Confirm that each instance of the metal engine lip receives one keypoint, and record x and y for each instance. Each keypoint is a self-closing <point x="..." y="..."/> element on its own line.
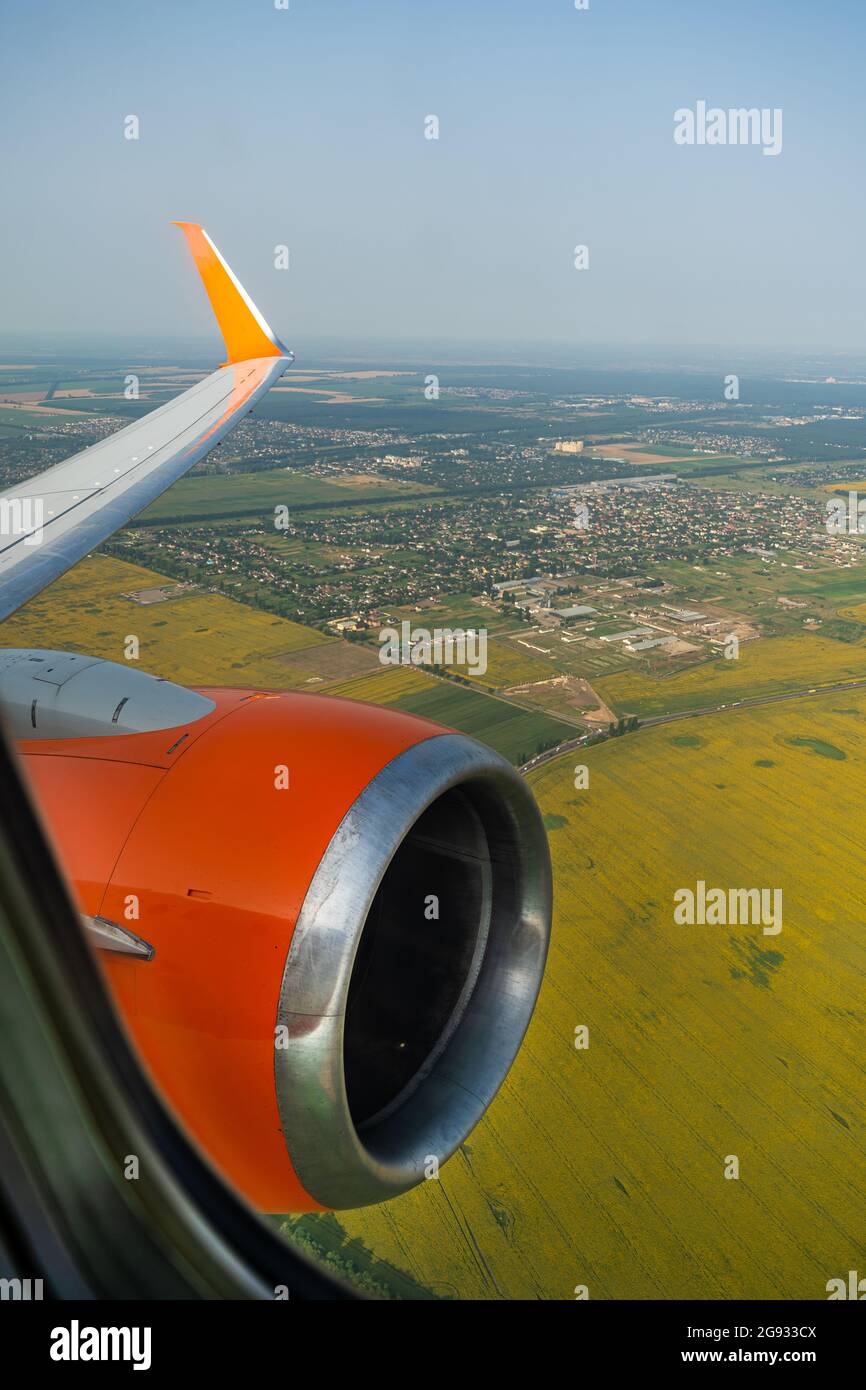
<point x="338" y="1166"/>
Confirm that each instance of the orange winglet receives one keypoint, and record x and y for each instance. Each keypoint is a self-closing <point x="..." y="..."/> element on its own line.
<point x="245" y="331"/>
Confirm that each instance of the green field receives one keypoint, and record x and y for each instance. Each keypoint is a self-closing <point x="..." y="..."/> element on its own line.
<point x="508" y="664"/>
<point x="19" y="418"/>
<point x="668" y="458"/>
<point x="605" y="1167"/>
<point x="749" y="586"/>
<point x="513" y="732"/>
<point x="205" y="497"/>
<point x="456" y="610"/>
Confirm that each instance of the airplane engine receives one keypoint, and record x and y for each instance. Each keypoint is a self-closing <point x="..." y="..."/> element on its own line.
<point x="325" y="923"/>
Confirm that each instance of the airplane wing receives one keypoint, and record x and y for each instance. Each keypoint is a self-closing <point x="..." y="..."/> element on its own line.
<point x="53" y="520"/>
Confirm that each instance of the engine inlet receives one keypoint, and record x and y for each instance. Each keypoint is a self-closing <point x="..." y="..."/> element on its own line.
<point x="413" y="971"/>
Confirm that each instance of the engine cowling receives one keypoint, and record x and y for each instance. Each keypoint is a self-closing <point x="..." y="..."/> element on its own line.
<point x="349" y="911"/>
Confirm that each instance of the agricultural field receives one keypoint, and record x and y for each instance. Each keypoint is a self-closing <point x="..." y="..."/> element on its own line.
<point x="456" y="611"/>
<point x="515" y="733"/>
<point x="857" y="614"/>
<point x="753" y="588"/>
<point x="850" y="484"/>
<point x="19" y="417"/>
<point x="207" y="497"/>
<point x="605" y="1166"/>
<point x="206" y="639"/>
<point x="757" y="478"/>
<point x="669" y="459"/>
<point x="767" y="666"/>
<point x="321" y="665"/>
<point x="567" y="697"/>
<point x="568" y="651"/>
<point x="508" y="665"/>
<point x="193" y="638"/>
<point x="387" y="686"/>
<point x="578" y="659"/>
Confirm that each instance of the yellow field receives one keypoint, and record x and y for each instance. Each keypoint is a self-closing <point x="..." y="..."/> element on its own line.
<point x="767" y="666"/>
<point x="201" y="638"/>
<point x="383" y="688"/>
<point x="857" y="613"/>
<point x="605" y="1167"/>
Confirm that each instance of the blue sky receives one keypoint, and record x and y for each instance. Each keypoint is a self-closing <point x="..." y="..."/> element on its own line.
<point x="306" y="128"/>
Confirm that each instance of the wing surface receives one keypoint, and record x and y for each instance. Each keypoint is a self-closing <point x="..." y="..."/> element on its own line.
<point x="52" y="521"/>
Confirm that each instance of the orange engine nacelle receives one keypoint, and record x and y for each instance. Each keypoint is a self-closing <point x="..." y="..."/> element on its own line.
<point x="349" y="909"/>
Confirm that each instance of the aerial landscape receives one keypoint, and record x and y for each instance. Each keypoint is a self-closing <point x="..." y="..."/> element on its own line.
<point x="433" y="670"/>
<point x="675" y="657"/>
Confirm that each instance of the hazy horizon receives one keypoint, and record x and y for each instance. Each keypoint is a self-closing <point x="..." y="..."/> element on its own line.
<point x="204" y="352"/>
<point x="305" y="128"/>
